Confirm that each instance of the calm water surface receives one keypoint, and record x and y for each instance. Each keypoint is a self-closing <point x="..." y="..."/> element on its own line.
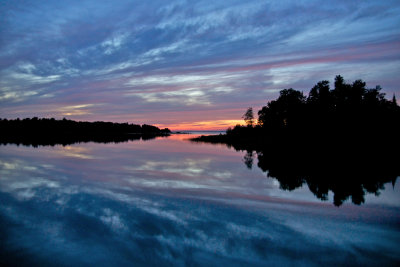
<point x="168" y="201"/>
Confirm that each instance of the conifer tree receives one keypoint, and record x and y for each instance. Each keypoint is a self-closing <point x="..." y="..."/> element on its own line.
<point x="249" y="117"/>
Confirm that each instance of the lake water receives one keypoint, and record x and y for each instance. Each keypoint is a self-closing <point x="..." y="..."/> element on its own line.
<point x="168" y="201"/>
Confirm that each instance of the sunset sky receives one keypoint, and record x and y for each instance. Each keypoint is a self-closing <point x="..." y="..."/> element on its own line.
<point x="186" y="64"/>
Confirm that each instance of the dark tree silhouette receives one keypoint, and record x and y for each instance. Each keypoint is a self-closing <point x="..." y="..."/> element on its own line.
<point x="248" y="117"/>
<point x="338" y="140"/>
<point x="283" y="112"/>
<point x="45" y="131"/>
<point x="320" y="94"/>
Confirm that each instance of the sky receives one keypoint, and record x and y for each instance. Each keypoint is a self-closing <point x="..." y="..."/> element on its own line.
<point x="186" y="65"/>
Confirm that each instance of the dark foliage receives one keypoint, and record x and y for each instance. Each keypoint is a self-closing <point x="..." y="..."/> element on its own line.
<point x="43" y="131"/>
<point x="249" y="117"/>
<point x="339" y="140"/>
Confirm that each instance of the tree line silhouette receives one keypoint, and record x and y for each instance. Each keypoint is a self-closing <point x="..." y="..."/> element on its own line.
<point x="342" y="140"/>
<point x="49" y="131"/>
<point x="349" y="111"/>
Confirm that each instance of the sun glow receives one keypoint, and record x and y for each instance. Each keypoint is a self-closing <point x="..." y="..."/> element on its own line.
<point x="215" y="125"/>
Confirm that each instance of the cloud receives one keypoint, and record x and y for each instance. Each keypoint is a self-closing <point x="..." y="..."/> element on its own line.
<point x="175" y="56"/>
<point x="75" y="109"/>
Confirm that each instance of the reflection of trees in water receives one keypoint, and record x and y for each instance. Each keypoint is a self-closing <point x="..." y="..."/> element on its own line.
<point x="248" y="159"/>
<point x="50" y="132"/>
<point x="46" y="140"/>
<point x="349" y="174"/>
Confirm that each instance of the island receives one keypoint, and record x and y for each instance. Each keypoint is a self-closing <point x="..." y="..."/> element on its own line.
<point x="343" y="140"/>
<point x="49" y="131"/>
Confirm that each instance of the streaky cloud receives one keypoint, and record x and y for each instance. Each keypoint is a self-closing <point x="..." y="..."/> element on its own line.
<point x="127" y="57"/>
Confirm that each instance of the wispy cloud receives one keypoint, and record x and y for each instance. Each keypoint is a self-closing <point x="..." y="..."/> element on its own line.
<point x="136" y="57"/>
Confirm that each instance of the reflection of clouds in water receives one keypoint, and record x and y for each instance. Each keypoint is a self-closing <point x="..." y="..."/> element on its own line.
<point x="7" y="167"/>
<point x="21" y="179"/>
<point x="113" y="220"/>
<point x="76" y="152"/>
<point x="158" y="229"/>
<point x="187" y="173"/>
<point x="182" y="173"/>
<point x="30" y="183"/>
<point x="189" y="167"/>
<point x="176" y="209"/>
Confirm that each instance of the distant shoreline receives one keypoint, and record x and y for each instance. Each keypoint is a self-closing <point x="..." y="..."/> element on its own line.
<point x="43" y="131"/>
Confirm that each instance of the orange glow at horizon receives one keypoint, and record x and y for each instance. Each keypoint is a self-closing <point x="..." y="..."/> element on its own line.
<point x="215" y="125"/>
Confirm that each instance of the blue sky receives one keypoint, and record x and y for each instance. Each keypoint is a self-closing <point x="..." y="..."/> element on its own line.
<point x="186" y="64"/>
